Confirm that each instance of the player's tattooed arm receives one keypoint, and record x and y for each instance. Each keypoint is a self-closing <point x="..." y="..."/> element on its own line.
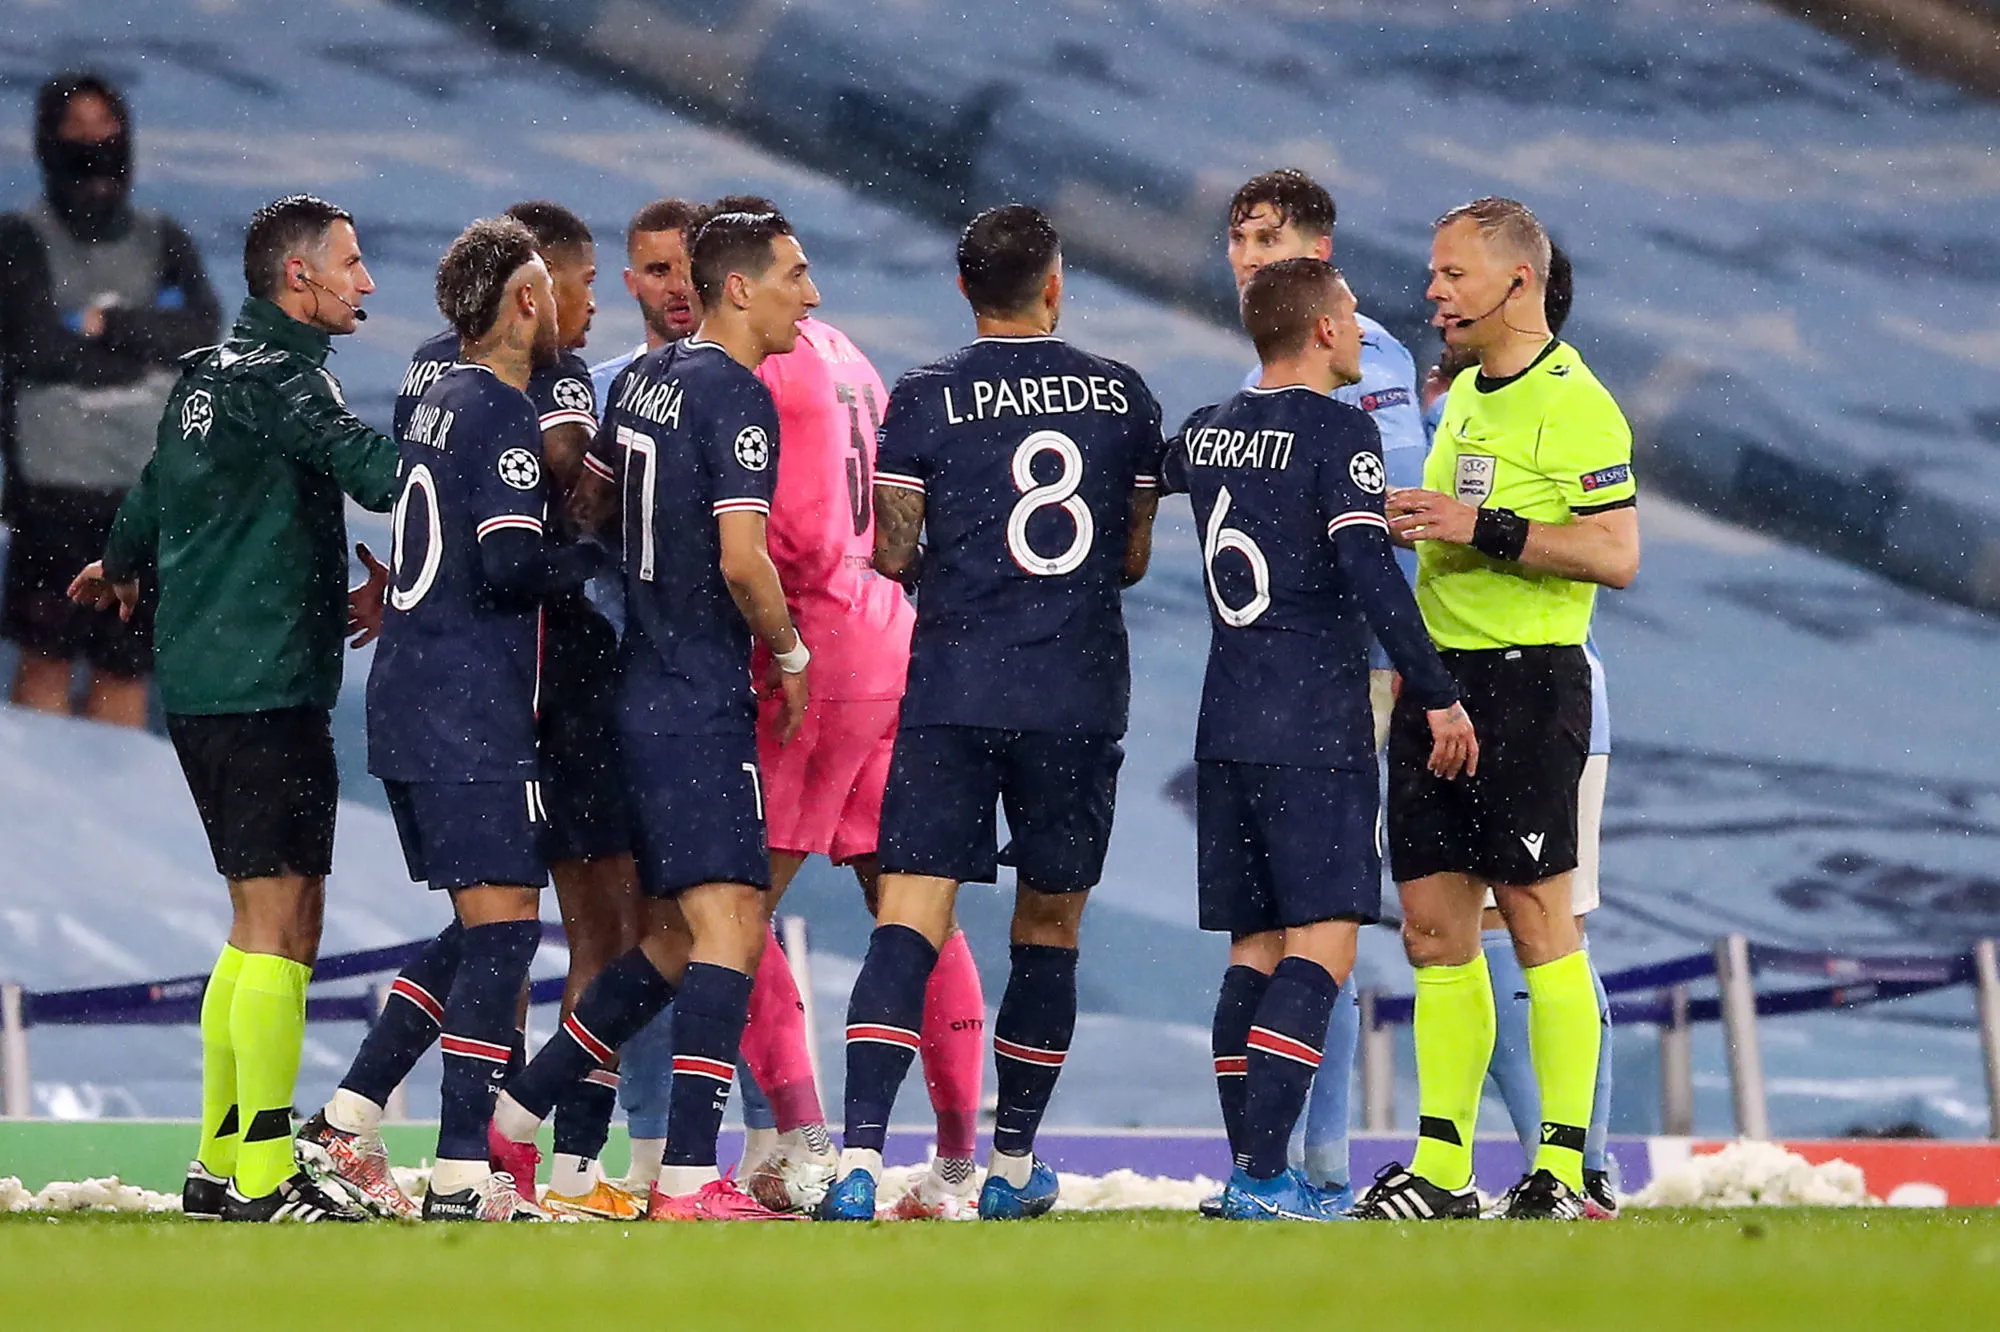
<point x="899" y="521"/>
<point x="1139" y="536"/>
<point x="593" y="503"/>
<point x="563" y="447"/>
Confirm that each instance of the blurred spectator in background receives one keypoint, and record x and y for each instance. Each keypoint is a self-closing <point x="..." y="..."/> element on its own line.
<point x="98" y="299"/>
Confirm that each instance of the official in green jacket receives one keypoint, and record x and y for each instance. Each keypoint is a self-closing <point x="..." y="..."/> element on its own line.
<point x="240" y="511"/>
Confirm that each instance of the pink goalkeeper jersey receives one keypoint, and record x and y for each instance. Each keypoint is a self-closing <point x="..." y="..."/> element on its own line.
<point x="822" y="532"/>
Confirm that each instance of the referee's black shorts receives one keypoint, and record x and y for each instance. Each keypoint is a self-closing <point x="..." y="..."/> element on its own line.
<point x="266" y="787"/>
<point x="1515" y="823"/>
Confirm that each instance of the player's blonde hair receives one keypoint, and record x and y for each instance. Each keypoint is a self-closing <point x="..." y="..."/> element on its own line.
<point x="1509" y="222"/>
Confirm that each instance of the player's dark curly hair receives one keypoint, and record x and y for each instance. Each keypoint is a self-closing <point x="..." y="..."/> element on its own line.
<point x="552" y="225"/>
<point x="1004" y="256"/>
<point x="1282" y="300"/>
<point x="1291" y="195"/>
<point x="472" y="277"/>
<point x="732" y="243"/>
<point x="280" y="229"/>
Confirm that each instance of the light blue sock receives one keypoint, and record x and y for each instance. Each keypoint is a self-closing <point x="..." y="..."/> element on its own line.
<point x="1327" y="1110"/>
<point x="757" y="1112"/>
<point x="1600" y="1103"/>
<point x="1513" y="1067"/>
<point x="646" y="1077"/>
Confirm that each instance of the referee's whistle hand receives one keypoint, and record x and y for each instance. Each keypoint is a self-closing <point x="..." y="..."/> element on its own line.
<point x="1454" y="746"/>
<point x="1426" y="515"/>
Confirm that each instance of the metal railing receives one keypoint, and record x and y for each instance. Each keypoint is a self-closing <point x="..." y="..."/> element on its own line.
<point x="1661" y="995"/>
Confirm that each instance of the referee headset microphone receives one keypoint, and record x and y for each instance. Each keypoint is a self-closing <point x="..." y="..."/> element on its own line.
<point x="361" y="315"/>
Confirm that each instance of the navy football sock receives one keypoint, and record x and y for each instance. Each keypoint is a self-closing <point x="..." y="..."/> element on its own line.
<point x="583" y="1114"/>
<point x="1031" y="1035"/>
<point x="885" y="1016"/>
<point x="709" y="1014"/>
<point x="1286" y="1039"/>
<point x="624" y="997"/>
<point x="409" y="1022"/>
<point x="478" y="1016"/>
<point x="1242" y="990"/>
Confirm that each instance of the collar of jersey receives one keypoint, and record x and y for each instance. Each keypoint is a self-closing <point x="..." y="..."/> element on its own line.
<point x="1032" y="337"/>
<point x="1284" y="388"/>
<point x="473" y="365"/>
<point x="703" y="344"/>
<point x="1488" y="385"/>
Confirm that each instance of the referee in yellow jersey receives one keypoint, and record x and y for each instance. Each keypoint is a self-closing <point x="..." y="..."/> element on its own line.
<point x="1527" y="508"/>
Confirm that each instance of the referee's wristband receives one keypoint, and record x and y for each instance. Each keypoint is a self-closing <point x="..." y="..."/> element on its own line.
<point x="1500" y="534"/>
<point x="793" y="662"/>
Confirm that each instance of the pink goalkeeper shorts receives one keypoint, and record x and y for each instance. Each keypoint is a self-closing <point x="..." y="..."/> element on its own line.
<point x="823" y="791"/>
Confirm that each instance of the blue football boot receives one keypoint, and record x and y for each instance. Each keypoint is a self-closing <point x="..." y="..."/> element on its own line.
<point x="1336" y="1200"/>
<point x="852" y="1199"/>
<point x="1286" y="1197"/>
<point x="1001" y="1201"/>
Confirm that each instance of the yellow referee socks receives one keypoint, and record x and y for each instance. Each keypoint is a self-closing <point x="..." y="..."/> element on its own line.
<point x="220" y="1124"/>
<point x="1563" y="1035"/>
<point x="267" y="1025"/>
<point x="1453" y="1025"/>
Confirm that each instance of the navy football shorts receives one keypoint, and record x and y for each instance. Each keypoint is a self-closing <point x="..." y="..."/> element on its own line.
<point x="1281" y="846"/>
<point x="458" y="834"/>
<point x="697" y="811"/>
<point x="583" y="784"/>
<point x="1057" y="791"/>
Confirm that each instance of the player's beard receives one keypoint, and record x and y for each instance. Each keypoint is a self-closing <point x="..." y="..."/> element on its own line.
<point x="546" y="350"/>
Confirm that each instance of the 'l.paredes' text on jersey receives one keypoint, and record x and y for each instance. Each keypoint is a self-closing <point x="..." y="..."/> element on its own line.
<point x="1027" y="452"/>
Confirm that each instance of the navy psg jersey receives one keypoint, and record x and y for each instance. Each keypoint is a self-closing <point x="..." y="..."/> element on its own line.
<point x="562" y="394"/>
<point x="1026" y="451"/>
<point x="1287" y="489"/>
<point x="428" y="364"/>
<point x="688" y="436"/>
<point x="452" y="692"/>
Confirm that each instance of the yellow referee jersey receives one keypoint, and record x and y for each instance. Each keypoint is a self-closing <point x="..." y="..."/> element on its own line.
<point x="1549" y="444"/>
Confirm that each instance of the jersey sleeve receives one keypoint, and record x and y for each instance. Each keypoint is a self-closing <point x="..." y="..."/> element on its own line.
<point x="902" y="446"/>
<point x="505" y="491"/>
<point x="1173" y="461"/>
<point x="742" y="450"/>
<point x="1351" y="478"/>
<point x="563" y="396"/>
<point x="1151" y="445"/>
<point x="1586" y="448"/>
<point x="601" y="458"/>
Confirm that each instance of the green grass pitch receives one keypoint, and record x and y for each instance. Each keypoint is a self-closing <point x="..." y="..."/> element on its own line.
<point x="1821" y="1270"/>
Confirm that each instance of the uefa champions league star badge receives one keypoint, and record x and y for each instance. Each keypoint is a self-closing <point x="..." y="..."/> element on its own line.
<point x="1365" y="470"/>
<point x="572" y="395"/>
<point x="520" y="469"/>
<point x="753" y="448"/>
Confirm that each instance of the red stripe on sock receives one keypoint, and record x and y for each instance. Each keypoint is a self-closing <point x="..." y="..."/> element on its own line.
<point x="419" y="996"/>
<point x="870" y="1031"/>
<point x="1277" y="1043"/>
<point x="593" y="1047"/>
<point x="704" y="1068"/>
<point x="603" y="1077"/>
<point x="1231" y="1066"/>
<point x="1028" y="1054"/>
<point x="471" y="1049"/>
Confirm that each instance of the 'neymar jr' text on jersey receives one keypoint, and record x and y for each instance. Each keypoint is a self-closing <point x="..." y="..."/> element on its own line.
<point x="1548" y="444"/>
<point x="1027" y="452"/>
<point x="451" y="693"/>
<point x="688" y="436"/>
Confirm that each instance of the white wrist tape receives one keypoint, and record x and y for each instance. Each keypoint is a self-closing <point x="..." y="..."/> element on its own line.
<point x="791" y="663"/>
